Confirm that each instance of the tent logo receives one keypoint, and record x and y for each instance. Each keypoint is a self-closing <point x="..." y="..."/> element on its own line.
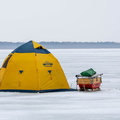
<point x="48" y="64"/>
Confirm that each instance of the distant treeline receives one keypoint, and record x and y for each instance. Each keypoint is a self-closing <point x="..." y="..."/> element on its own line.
<point x="64" y="45"/>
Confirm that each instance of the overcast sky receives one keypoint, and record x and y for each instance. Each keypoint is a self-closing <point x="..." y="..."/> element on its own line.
<point x="60" y="20"/>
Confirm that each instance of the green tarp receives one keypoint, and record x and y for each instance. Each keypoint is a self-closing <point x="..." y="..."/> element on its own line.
<point x="88" y="73"/>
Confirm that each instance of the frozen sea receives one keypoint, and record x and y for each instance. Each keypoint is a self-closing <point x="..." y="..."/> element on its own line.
<point x="99" y="105"/>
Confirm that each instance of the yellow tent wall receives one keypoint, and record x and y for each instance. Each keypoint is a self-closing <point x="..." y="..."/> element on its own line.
<point x="32" y="68"/>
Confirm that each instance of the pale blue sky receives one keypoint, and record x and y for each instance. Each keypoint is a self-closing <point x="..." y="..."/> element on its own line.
<point x="60" y="20"/>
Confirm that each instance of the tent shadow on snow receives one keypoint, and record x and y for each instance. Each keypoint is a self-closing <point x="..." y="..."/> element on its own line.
<point x="32" y="68"/>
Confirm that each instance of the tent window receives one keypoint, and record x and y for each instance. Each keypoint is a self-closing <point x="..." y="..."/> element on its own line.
<point x="6" y="61"/>
<point x="40" y="47"/>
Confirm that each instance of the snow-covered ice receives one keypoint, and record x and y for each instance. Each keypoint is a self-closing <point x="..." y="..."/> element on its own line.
<point x="99" y="105"/>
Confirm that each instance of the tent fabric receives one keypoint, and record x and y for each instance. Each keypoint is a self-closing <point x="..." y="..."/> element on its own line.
<point x="30" y="47"/>
<point x="31" y="67"/>
<point x="6" y="61"/>
<point x="40" y="91"/>
<point x="88" y="73"/>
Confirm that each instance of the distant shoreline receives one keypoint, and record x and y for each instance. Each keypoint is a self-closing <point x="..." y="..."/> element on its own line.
<point x="65" y="45"/>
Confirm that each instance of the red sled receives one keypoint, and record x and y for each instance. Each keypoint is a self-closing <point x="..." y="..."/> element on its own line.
<point x="89" y="83"/>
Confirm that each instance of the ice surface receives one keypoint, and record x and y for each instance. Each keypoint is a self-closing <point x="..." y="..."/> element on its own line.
<point x="100" y="105"/>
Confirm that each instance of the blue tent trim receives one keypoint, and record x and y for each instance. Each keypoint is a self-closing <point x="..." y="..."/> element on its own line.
<point x="28" y="48"/>
<point x="35" y="91"/>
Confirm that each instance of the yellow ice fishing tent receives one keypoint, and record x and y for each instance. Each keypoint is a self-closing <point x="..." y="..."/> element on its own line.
<point x="32" y="68"/>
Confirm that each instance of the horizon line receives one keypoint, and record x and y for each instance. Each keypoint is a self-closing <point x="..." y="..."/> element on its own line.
<point x="63" y="41"/>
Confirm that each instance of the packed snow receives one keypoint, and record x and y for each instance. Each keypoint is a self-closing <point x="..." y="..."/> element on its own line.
<point x="76" y="105"/>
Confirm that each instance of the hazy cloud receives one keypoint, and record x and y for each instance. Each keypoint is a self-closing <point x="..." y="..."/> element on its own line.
<point x="59" y="20"/>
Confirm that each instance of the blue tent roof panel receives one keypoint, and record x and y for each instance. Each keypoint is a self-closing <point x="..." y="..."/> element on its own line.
<point x="28" y="48"/>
